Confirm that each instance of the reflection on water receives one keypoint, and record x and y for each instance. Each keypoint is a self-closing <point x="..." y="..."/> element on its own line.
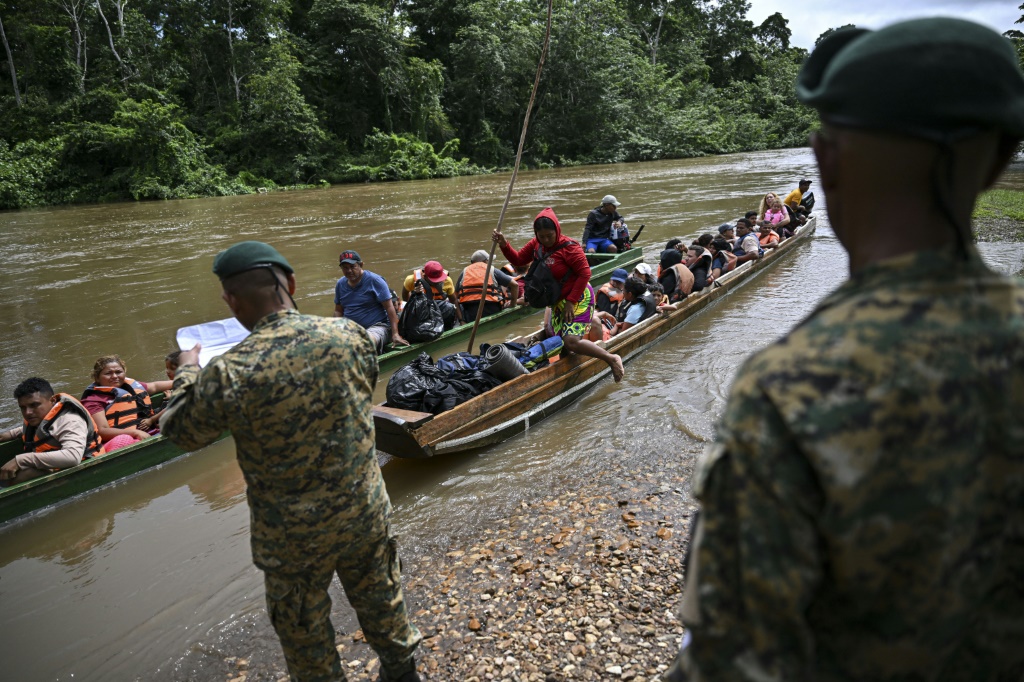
<point x="151" y="578"/>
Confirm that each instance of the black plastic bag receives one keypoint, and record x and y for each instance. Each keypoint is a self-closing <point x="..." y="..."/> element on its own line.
<point x="447" y="314"/>
<point x="421" y="386"/>
<point x="421" y="319"/>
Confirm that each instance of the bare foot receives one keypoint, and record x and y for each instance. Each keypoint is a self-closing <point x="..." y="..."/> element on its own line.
<point x="617" y="369"/>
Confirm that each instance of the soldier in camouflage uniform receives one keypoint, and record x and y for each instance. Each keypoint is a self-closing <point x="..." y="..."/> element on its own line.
<point x="296" y="395"/>
<point x="863" y="504"/>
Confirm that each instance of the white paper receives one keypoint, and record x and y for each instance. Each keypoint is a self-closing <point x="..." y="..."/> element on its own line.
<point x="216" y="337"/>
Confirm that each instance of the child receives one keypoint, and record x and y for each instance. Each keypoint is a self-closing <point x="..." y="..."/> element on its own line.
<point x="170" y="366"/>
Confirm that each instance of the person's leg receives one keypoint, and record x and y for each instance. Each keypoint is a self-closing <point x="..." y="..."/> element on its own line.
<point x="300" y="611"/>
<point x="381" y="335"/>
<point x="576" y="344"/>
<point x="608" y="246"/>
<point x="373" y="583"/>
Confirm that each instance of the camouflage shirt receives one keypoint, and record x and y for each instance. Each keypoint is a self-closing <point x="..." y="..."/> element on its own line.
<point x="863" y="506"/>
<point x="296" y="395"/>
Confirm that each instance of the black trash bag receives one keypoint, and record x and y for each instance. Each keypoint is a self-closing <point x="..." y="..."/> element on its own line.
<point x="421" y="386"/>
<point x="447" y="314"/>
<point x="421" y="319"/>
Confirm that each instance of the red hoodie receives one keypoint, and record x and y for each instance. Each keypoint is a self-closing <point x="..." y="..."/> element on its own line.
<point x="569" y="260"/>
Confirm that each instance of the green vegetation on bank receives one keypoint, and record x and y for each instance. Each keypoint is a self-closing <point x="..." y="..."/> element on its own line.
<point x="106" y="100"/>
<point x="999" y="215"/>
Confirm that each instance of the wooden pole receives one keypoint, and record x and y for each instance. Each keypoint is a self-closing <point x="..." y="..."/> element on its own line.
<point x="512" y="181"/>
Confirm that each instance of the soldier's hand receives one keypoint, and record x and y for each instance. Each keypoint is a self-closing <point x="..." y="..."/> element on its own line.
<point x="190" y="356"/>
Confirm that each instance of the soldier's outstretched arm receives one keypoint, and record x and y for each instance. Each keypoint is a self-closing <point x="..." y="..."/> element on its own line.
<point x="755" y="562"/>
<point x="197" y="414"/>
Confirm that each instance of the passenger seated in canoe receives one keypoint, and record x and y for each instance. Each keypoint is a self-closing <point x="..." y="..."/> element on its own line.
<point x="763" y="208"/>
<point x="640" y="304"/>
<point x="698" y="262"/>
<point x="723" y="260"/>
<point x="674" y="243"/>
<point x="747" y="246"/>
<point x="768" y="238"/>
<point x="645" y="273"/>
<point x="364" y="297"/>
<point x="609" y="296"/>
<point x="502" y="289"/>
<point x="567" y="263"/>
<point x="602" y="222"/>
<point x="519" y="275"/>
<point x="124" y="402"/>
<point x="704" y="241"/>
<point x="170" y="367"/>
<point x="777" y="216"/>
<point x="676" y="280"/>
<point x="442" y="289"/>
<point x="728" y="233"/>
<point x="57" y="433"/>
<point x="658" y="294"/>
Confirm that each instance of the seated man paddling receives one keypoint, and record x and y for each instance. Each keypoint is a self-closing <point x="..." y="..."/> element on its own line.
<point x="57" y="433"/>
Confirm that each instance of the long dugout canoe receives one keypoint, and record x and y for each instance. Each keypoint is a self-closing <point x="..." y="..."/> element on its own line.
<point x="512" y="407"/>
<point x="46" y="490"/>
<point x="601" y="267"/>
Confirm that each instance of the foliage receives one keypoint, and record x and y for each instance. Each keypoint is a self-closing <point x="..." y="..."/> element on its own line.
<point x="202" y="97"/>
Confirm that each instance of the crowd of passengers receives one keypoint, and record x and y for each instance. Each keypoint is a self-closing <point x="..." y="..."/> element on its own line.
<point x="60" y="431"/>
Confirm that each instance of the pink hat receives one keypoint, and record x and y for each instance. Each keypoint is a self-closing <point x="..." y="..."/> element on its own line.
<point x="433" y="271"/>
<point x="118" y="442"/>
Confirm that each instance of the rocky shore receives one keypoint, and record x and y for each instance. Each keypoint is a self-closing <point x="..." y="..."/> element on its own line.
<point x="582" y="585"/>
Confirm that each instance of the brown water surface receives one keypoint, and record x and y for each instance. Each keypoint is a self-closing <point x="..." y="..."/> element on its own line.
<point x="151" y="578"/>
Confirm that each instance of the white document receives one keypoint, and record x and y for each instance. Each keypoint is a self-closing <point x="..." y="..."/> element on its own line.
<point x="216" y="337"/>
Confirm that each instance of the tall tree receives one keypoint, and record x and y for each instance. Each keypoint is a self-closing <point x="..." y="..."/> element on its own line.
<point x="10" y="64"/>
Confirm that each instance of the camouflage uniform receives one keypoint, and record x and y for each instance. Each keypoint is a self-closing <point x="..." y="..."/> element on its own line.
<point x="862" y="505"/>
<point x="296" y="394"/>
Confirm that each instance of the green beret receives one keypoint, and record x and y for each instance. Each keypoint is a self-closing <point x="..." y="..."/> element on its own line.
<point x="934" y="78"/>
<point x="246" y="256"/>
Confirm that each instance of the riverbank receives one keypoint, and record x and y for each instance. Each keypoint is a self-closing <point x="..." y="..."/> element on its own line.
<point x="582" y="585"/>
<point x="999" y="216"/>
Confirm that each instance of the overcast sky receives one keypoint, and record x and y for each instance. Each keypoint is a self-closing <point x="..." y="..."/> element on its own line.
<point x="810" y="18"/>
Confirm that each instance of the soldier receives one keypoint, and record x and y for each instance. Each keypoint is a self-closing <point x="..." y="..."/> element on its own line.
<point x="862" y="515"/>
<point x="296" y="395"/>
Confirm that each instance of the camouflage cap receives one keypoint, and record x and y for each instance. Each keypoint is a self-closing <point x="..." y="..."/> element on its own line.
<point x="246" y="256"/>
<point x="933" y="78"/>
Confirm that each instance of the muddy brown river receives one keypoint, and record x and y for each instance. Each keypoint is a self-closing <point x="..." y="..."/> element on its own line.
<point x="151" y="578"/>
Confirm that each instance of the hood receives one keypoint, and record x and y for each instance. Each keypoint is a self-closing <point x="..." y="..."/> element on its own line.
<point x="550" y="213"/>
<point x="670" y="257"/>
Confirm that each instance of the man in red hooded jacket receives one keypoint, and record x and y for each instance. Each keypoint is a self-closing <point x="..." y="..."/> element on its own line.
<point x="564" y="257"/>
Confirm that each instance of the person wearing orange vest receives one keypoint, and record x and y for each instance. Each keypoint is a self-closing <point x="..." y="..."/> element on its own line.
<point x="469" y="289"/>
<point x="609" y="296"/>
<point x="768" y="238"/>
<point x="123" y="401"/>
<point x="58" y="433"/>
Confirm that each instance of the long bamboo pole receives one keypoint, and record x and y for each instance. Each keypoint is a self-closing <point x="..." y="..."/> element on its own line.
<point x="515" y="172"/>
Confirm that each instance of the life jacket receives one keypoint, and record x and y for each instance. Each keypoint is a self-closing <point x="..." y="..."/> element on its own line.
<point x="650" y="305"/>
<point x="613" y="295"/>
<point x="730" y="261"/>
<point x="767" y="238"/>
<point x="41" y="439"/>
<point x="471" y="285"/>
<point x="684" y="283"/>
<point x="435" y="288"/>
<point x="706" y="256"/>
<point x="131" y="403"/>
<point x="739" y="245"/>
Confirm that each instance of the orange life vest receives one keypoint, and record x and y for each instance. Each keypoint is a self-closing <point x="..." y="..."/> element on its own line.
<point x="768" y="238"/>
<point x="684" y="282"/>
<point x="435" y="288"/>
<point x="130" y="405"/>
<point x="470" y="285"/>
<point x="41" y="439"/>
<point x="614" y="295"/>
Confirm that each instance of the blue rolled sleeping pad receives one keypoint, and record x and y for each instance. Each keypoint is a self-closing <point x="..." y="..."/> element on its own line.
<point x="538" y="353"/>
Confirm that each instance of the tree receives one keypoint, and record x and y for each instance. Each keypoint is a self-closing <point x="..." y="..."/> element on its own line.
<point x="827" y="32"/>
<point x="10" y="64"/>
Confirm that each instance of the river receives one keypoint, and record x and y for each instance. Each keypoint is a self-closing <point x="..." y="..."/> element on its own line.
<point x="151" y="578"/>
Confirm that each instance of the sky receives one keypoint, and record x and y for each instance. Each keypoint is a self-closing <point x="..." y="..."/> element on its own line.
<point x="810" y="18"/>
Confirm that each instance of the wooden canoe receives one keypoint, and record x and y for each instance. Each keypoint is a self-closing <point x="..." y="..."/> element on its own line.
<point x="601" y="267"/>
<point x="512" y="407"/>
<point x="47" y="490"/>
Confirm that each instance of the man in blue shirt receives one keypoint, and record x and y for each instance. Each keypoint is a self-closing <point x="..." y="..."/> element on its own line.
<point x="365" y="298"/>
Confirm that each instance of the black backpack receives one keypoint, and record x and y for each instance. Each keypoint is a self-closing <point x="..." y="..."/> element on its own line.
<point x="542" y="289"/>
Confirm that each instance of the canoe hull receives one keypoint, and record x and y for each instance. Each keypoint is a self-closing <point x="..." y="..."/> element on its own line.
<point x="513" y="407"/>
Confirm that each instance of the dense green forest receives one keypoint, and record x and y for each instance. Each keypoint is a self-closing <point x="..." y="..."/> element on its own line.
<point x="111" y="99"/>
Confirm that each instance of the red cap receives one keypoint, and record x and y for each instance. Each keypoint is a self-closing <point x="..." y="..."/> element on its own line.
<point x="433" y="271"/>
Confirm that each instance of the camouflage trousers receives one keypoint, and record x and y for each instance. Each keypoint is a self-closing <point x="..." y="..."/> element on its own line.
<point x="300" y="610"/>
